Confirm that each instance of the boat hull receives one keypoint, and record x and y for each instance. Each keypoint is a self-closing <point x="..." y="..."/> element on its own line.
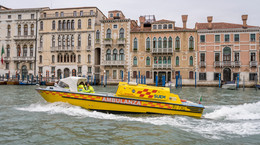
<point x="105" y="102"/>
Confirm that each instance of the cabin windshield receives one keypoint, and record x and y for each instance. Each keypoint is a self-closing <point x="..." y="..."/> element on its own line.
<point x="63" y="85"/>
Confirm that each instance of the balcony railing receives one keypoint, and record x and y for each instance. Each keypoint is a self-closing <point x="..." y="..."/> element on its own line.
<point x="25" y="37"/>
<point x="97" y="40"/>
<point x="114" y="62"/>
<point x="88" y="48"/>
<point x="253" y="63"/>
<point x="68" y="15"/>
<point x="40" y="49"/>
<point x="162" y="50"/>
<point x="108" y="42"/>
<point x="121" y="41"/>
<point x="202" y="64"/>
<point x="162" y="66"/>
<point x="62" y="49"/>
<point x="24" y="58"/>
<point x="227" y="64"/>
<point x="7" y="58"/>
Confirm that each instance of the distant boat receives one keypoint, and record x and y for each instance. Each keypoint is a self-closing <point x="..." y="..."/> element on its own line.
<point x="229" y="85"/>
<point x="169" y="85"/>
<point x="257" y="86"/>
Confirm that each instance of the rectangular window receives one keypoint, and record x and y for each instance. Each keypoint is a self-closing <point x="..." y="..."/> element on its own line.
<point x="114" y="74"/>
<point x="9" y="16"/>
<point x="226" y="37"/>
<point x="107" y="74"/>
<point x="79" y="69"/>
<point x="19" y="17"/>
<point x="202" y="76"/>
<point x="32" y="16"/>
<point x="17" y="66"/>
<point x="61" y="14"/>
<point x="7" y="66"/>
<point x="111" y="15"/>
<point x="134" y="74"/>
<point x="154" y="26"/>
<point x="217" y="56"/>
<point x="56" y="14"/>
<point x="217" y="38"/>
<point x="236" y="56"/>
<point x="81" y="13"/>
<point x="236" y="38"/>
<point x="74" y="13"/>
<point x="44" y="15"/>
<point x="252" y="56"/>
<point x="89" y="70"/>
<point x="216" y="76"/>
<point x="202" y="57"/>
<point x="91" y="12"/>
<point x="202" y="38"/>
<point x="52" y="69"/>
<point x="235" y="76"/>
<point x="191" y="75"/>
<point x="40" y="69"/>
<point x="31" y="66"/>
<point x="147" y="74"/>
<point x="115" y="26"/>
<point x="252" y="37"/>
<point x="252" y="76"/>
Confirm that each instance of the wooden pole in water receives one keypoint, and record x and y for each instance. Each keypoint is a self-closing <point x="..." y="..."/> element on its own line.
<point x="243" y="83"/>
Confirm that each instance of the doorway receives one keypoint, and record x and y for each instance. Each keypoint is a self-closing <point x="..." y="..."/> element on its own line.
<point x="227" y="74"/>
<point x="66" y="72"/>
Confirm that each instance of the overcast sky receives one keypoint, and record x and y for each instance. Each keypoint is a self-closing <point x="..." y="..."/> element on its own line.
<point x="198" y="10"/>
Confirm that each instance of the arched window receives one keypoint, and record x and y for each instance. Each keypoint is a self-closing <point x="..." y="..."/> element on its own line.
<point x="164" y="42"/>
<point x="31" y="50"/>
<point x="177" y="43"/>
<point x="169" y="60"/>
<point x="170" y="42"/>
<point x="8" y="30"/>
<point x="148" y="43"/>
<point x="53" y="25"/>
<point x="19" y="30"/>
<point x="59" y="41"/>
<point x="79" y="58"/>
<point x="108" y="54"/>
<point x="135" y="61"/>
<point x="79" y="41"/>
<point x="159" y="26"/>
<point x="40" y="58"/>
<point x="89" y="23"/>
<point x="160" y="60"/>
<point x="89" y="58"/>
<point x="135" y="44"/>
<point x="63" y="41"/>
<point x="25" y="28"/>
<point x="148" y="63"/>
<point x="121" y="54"/>
<point x="18" y="50"/>
<point x="191" y="43"/>
<point x="68" y="25"/>
<point x="122" y="33"/>
<point x="191" y="61"/>
<point x="61" y="58"/>
<point x="72" y="41"/>
<point x="32" y="29"/>
<point x="53" y="59"/>
<point x="65" y="57"/>
<point x="64" y="25"/>
<point x="53" y="41"/>
<point x="159" y="42"/>
<point x="72" y="25"/>
<point x="68" y="40"/>
<point x="74" y="57"/>
<point x="79" y="24"/>
<point x="165" y="26"/>
<point x="70" y="58"/>
<point x="177" y="61"/>
<point x="154" y="42"/>
<point x="98" y="35"/>
<point x="170" y="26"/>
<point x="155" y="60"/>
<point x="115" y="54"/>
<point x="227" y="54"/>
<point x="8" y="50"/>
<point x="108" y="34"/>
<point x="41" y="25"/>
<point x="58" y="58"/>
<point x="59" y="25"/>
<point x="89" y="40"/>
<point x="164" y="60"/>
<point x="41" y="41"/>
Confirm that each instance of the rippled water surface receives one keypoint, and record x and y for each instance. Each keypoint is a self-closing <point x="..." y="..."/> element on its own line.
<point x="230" y="117"/>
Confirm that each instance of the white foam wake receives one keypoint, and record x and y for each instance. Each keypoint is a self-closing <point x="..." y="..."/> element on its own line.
<point x="225" y="121"/>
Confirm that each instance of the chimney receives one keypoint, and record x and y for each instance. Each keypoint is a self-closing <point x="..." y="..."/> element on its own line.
<point x="184" y="20"/>
<point x="142" y="20"/>
<point x="210" y="26"/>
<point x="244" y="18"/>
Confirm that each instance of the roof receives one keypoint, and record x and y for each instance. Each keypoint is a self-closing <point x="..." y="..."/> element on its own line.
<point x="164" y="21"/>
<point x="114" y="11"/>
<point x="73" y="82"/>
<point x="220" y="25"/>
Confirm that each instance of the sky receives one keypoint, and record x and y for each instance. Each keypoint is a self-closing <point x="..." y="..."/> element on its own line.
<point x="197" y="10"/>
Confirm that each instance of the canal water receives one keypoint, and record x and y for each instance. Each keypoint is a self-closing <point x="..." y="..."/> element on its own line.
<point x="230" y="117"/>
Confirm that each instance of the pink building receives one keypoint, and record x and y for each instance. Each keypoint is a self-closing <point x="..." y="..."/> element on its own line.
<point x="227" y="49"/>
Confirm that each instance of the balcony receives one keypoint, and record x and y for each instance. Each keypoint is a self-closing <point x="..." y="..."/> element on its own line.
<point x="162" y="50"/>
<point x="62" y="49"/>
<point x="227" y="64"/>
<point x="253" y="63"/>
<point x="121" y="41"/>
<point x="162" y="66"/>
<point x="88" y="48"/>
<point x="7" y="59"/>
<point x="66" y="15"/>
<point x="40" y="49"/>
<point x="24" y="37"/>
<point x="97" y="40"/>
<point x="24" y="58"/>
<point x="202" y="64"/>
<point x="108" y="42"/>
<point x="114" y="63"/>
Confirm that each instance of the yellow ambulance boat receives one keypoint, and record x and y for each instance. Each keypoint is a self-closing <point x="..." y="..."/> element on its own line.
<point x="130" y="98"/>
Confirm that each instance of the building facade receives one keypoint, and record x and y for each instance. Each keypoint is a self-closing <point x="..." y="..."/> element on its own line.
<point x="227" y="50"/>
<point x="18" y="28"/>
